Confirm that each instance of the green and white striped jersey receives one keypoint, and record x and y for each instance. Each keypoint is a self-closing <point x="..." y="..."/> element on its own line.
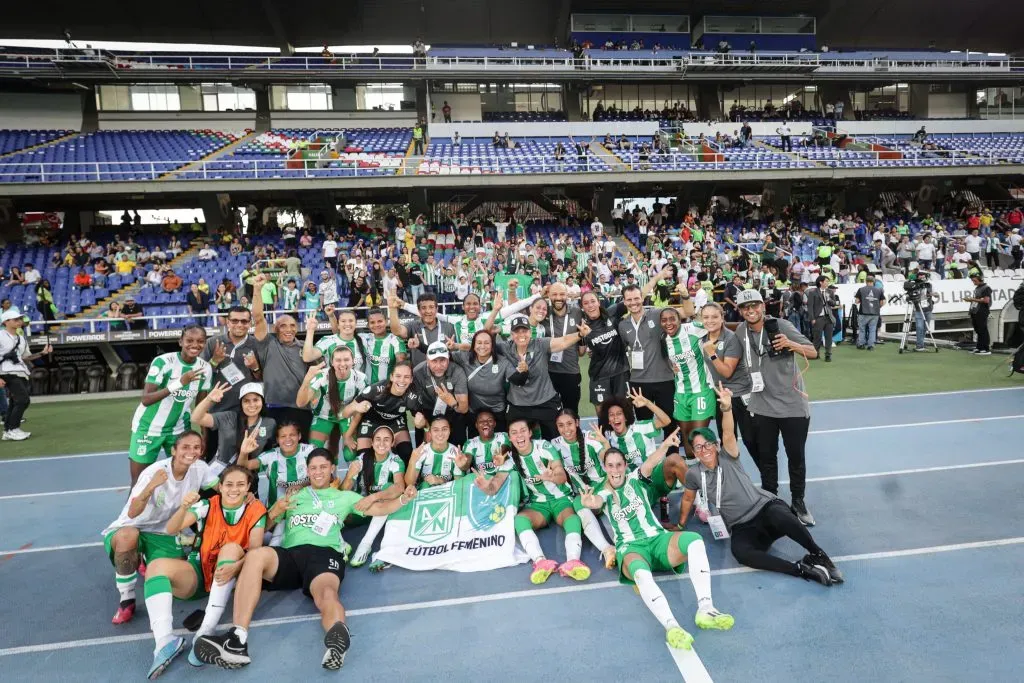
<point x="582" y="476"/>
<point x="684" y="350"/>
<point x="439" y="464"/>
<point x="466" y="328"/>
<point x="429" y="274"/>
<point x="170" y="415"/>
<point x="382" y="356"/>
<point x="534" y="463"/>
<point x="284" y="471"/>
<point x="629" y="510"/>
<point x="290" y="299"/>
<point x="384" y="472"/>
<point x="327" y="345"/>
<point x="347" y="390"/>
<point x="637" y="443"/>
<point x="483" y="452"/>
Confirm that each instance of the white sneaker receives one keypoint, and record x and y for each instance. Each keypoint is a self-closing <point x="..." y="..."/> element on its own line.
<point x="14" y="435"/>
<point x="22" y="433"/>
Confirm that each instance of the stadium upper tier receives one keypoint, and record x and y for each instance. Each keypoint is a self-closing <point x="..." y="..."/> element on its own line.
<point x="110" y="156"/>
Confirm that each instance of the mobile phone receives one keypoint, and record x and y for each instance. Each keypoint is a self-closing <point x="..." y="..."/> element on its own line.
<point x="771" y="328"/>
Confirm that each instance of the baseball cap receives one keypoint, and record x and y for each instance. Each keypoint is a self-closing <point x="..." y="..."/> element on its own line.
<point x="11" y="313"/>
<point x="437" y="350"/>
<point x="519" y="321"/>
<point x="748" y="296"/>
<point x="251" y="388"/>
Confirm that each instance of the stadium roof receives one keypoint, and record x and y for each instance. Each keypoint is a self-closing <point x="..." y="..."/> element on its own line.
<point x="981" y="25"/>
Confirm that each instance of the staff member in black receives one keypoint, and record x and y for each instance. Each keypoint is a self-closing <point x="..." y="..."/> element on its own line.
<point x="823" y="322"/>
<point x="981" y="305"/>
<point x="778" y="402"/>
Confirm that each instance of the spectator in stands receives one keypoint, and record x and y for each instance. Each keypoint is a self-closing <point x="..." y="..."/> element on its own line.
<point x="925" y="252"/>
<point x="207" y="253"/>
<point x="198" y="300"/>
<point x="329" y="250"/>
<point x="132" y="312"/>
<point x="920" y="135"/>
<point x="32" y="275"/>
<point x="171" y="282"/>
<point x="15" y="277"/>
<point x="44" y="302"/>
<point x="446" y="112"/>
<point x="981" y="304"/>
<point x="786" y="134"/>
<point x="456" y="140"/>
<point x="418" y="136"/>
<point x="174" y="246"/>
<point x="280" y="357"/>
<point x="973" y="244"/>
<point x="82" y="279"/>
<point x="115" y="322"/>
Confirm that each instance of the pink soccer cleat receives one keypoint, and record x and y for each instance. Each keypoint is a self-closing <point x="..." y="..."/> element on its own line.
<point x="124" y="613"/>
<point x="542" y="570"/>
<point x="575" y="569"/>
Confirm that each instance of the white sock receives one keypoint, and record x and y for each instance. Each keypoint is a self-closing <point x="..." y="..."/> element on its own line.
<point x="700" y="574"/>
<point x="654" y="598"/>
<point x="366" y="544"/>
<point x="215" y="607"/>
<point x="592" y="530"/>
<point x="573" y="546"/>
<point x="161" y="618"/>
<point x="242" y="633"/>
<point x="126" y="585"/>
<point x="531" y="544"/>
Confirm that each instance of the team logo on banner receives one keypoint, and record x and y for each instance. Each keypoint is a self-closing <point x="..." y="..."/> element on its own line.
<point x="433" y="514"/>
<point x="485" y="511"/>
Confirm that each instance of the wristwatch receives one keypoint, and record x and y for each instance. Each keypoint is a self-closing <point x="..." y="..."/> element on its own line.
<point x="713" y="356"/>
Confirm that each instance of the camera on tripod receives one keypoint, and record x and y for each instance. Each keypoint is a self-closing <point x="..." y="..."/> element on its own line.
<point x="916" y="289"/>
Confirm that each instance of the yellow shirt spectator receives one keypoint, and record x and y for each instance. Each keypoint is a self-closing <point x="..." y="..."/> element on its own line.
<point x="125" y="267"/>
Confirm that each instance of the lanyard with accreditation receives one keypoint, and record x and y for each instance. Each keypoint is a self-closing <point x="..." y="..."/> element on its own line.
<point x="715" y="521"/>
<point x="325" y="520"/>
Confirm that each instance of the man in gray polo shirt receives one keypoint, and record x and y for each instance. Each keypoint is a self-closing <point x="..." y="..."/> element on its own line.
<point x="423" y="332"/>
<point x="778" y="402"/>
<point x="565" y="365"/>
<point x="642" y="337"/>
<point x="869" y="300"/>
<point x="233" y="357"/>
<point x="441" y="389"/>
<point x="280" y="356"/>
<point x="752" y="517"/>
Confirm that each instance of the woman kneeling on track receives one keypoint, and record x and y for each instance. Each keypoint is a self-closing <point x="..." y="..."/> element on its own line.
<point x="285" y="466"/>
<point x="229" y="524"/>
<point x="378" y="474"/>
<point x="644" y="547"/>
<point x="753" y="517"/>
<point x="436" y="462"/>
<point x="327" y="391"/>
<point x="581" y="458"/>
<point x="140" y="531"/>
<point x="382" y="404"/>
<point x="309" y="558"/>
<point x="548" y="496"/>
<point x="635" y="438"/>
<point x="232" y="426"/>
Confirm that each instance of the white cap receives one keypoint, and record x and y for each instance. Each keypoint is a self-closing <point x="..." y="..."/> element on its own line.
<point x="437" y="349"/>
<point x="250" y="388"/>
<point x="748" y="296"/>
<point x="11" y="313"/>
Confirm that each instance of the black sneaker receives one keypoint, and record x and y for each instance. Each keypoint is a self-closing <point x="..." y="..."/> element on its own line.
<point x="800" y="510"/>
<point x="828" y="357"/>
<point x="822" y="560"/>
<point x="226" y="651"/>
<point x="813" y="572"/>
<point x="337" y="641"/>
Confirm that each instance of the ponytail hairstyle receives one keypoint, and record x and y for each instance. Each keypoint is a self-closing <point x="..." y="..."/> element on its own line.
<point x="510" y="449"/>
<point x="369" y="460"/>
<point x="581" y="440"/>
<point x="333" y="394"/>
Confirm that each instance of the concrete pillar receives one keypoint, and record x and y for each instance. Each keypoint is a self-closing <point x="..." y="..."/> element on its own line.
<point x="343" y="98"/>
<point x="572" y="102"/>
<point x="419" y="203"/>
<point x="213" y="212"/>
<point x="263" y="117"/>
<point x="423" y="101"/>
<point x="709" y="107"/>
<point x="918" y="97"/>
<point x="973" y="111"/>
<point x="603" y="203"/>
<point x="90" y="112"/>
<point x="776" y="193"/>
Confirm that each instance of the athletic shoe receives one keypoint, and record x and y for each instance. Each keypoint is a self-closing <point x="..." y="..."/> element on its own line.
<point x="980" y="353"/>
<point x="360" y="558"/>
<point x="813" y="572"/>
<point x="921" y="349"/>
<point x="15" y="435"/>
<point x="828" y="357"/>
<point x="871" y="348"/>
<point x="164" y="656"/>
<point x="713" y="620"/>
<point x="822" y="560"/>
<point x="574" y="569"/>
<point x="226" y="651"/>
<point x="192" y="659"/>
<point x="125" y="612"/>
<point x="860" y="348"/>
<point x="678" y="639"/>
<point x="337" y="642"/>
<point x="542" y="570"/>
<point x="142" y="568"/>
<point x="346" y="551"/>
<point x="609" y="557"/>
<point x="800" y="510"/>
<point x="377" y="566"/>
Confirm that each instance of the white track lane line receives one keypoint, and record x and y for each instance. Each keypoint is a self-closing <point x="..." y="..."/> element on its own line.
<point x="690" y="665"/>
<point x="44" y="494"/>
<point x="510" y="595"/>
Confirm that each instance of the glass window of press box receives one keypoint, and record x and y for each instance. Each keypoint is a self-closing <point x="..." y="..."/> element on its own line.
<point x="630" y="23"/>
<point x="1001" y="103"/>
<point x="629" y="96"/>
<point x="166" y="97"/>
<point x="464" y="98"/>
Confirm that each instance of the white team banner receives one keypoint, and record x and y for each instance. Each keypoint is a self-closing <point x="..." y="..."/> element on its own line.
<point x="951" y="294"/>
<point x="456" y="527"/>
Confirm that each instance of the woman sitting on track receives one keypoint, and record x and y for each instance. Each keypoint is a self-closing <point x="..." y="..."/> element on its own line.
<point x="233" y="426"/>
<point x="309" y="558"/>
<point x="140" y="531"/>
<point x="285" y="466"/>
<point x="486" y="444"/>
<point x="581" y="458"/>
<point x="384" y="404"/>
<point x="378" y="475"/>
<point x="547" y="497"/>
<point x="436" y="462"/>
<point x="327" y="391"/>
<point x="644" y="547"/>
<point x="229" y="525"/>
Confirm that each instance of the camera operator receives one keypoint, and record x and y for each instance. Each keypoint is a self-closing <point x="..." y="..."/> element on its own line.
<point x="869" y="300"/>
<point x="778" y="402"/>
<point x="919" y="290"/>
<point x="981" y="304"/>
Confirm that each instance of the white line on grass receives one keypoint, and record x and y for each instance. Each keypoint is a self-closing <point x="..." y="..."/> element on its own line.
<point x="510" y="595"/>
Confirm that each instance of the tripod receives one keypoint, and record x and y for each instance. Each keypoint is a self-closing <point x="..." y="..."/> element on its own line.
<point x="908" y="319"/>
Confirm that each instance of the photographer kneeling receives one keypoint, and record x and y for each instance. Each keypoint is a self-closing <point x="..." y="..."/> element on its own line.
<point x="752" y="517"/>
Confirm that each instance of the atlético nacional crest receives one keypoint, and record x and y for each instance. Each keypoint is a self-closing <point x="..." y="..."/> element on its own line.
<point x="433" y="514"/>
<point x="485" y="511"/>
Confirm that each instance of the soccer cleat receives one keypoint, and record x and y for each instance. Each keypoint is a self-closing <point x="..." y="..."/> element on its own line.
<point x="125" y="612"/>
<point x="574" y="569"/>
<point x="678" y="639"/>
<point x="542" y="570"/>
<point x="337" y="642"/>
<point x="346" y="551"/>
<point x="192" y="659"/>
<point x="226" y="651"/>
<point x="800" y="510"/>
<point x="813" y="572"/>
<point x="713" y="620"/>
<point x="164" y="656"/>
<point x="609" y="558"/>
<point x="820" y="559"/>
<point x="360" y="558"/>
<point x="377" y="566"/>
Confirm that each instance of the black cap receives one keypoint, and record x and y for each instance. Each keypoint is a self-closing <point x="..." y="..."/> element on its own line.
<point x="520" y="321"/>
